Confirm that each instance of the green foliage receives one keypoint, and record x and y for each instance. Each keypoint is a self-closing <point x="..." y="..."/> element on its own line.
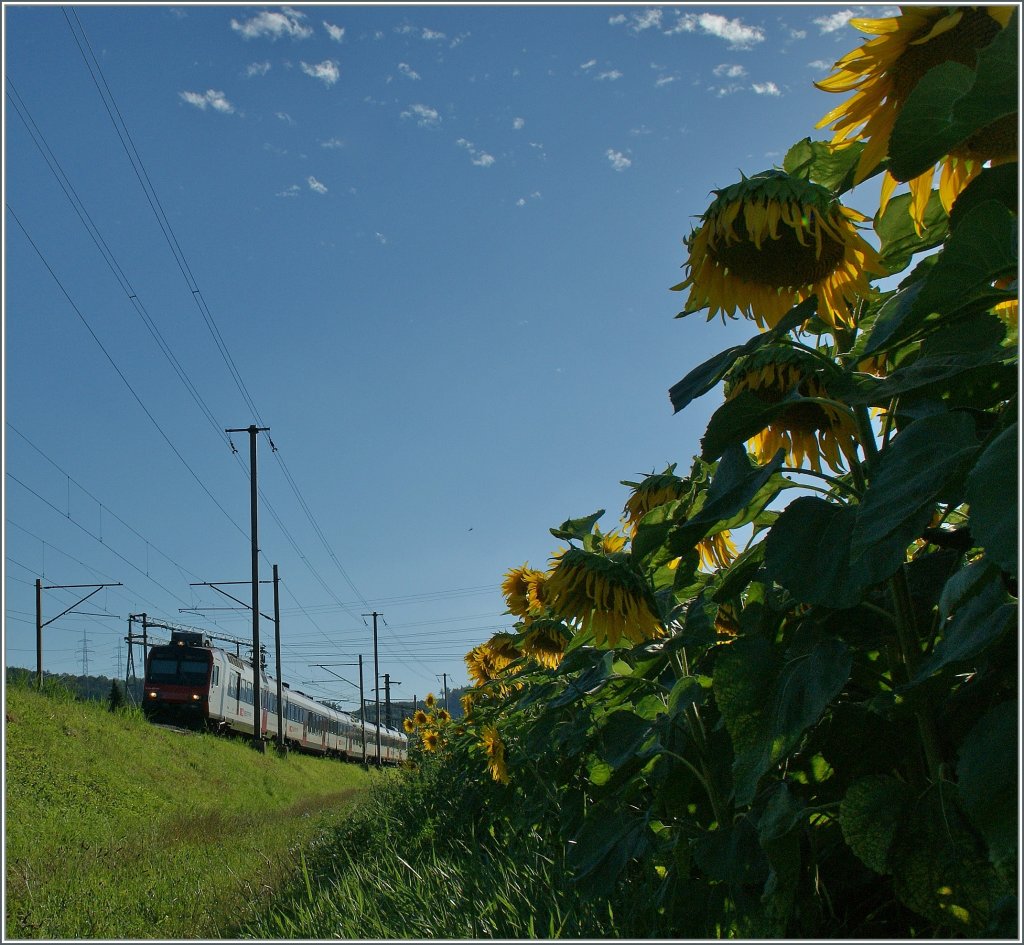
<point x="117" y="829"/>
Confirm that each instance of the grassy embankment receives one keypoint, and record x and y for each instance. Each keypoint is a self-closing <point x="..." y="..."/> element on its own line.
<point x="115" y="828"/>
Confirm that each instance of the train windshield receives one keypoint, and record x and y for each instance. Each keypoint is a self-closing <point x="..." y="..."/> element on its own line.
<point x="183" y="669"/>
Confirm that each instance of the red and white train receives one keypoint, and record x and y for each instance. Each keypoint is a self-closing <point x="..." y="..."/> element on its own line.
<point x="191" y="682"/>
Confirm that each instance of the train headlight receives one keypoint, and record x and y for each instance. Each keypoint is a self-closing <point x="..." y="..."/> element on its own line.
<point x="152" y="695"/>
<point x="196" y="697"/>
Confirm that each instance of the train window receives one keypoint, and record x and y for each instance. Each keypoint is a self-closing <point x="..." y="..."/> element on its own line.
<point x="216" y="676"/>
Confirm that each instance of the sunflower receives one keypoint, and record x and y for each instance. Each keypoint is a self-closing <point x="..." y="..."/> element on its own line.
<point x="430" y="700"/>
<point x="771" y="241"/>
<point x="544" y="641"/>
<point x="443" y="717"/>
<point x="810" y="431"/>
<point x="717" y="551"/>
<point x="884" y="71"/>
<point x="535" y="593"/>
<point x="466" y="701"/>
<point x="727" y="623"/>
<point x="495" y="749"/>
<point x="486" y="661"/>
<point x="612" y="542"/>
<point x="651" y="492"/>
<point x="430" y="738"/>
<point x="588" y="588"/>
<point x="409" y="725"/>
<point x="419" y="717"/>
<point x="516" y="588"/>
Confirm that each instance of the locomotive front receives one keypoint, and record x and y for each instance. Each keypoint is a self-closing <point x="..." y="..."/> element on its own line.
<point x="177" y="687"/>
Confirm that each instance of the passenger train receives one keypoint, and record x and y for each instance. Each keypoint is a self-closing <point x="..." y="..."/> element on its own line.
<point x="191" y="682"/>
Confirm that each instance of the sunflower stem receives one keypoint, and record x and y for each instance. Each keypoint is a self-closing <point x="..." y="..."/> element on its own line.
<point x="909" y="651"/>
<point x="838" y="483"/>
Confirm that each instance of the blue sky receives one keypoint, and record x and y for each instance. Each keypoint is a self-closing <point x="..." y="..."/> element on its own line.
<point x="430" y="245"/>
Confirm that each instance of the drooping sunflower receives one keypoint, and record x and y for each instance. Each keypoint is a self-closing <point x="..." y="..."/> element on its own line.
<point x="604" y="592"/>
<point x="466" y="701"/>
<point x="885" y="70"/>
<point x="807" y="431"/>
<point x="516" y="588"/>
<point x="545" y="641"/>
<point x="771" y="241"/>
<point x="717" y="551"/>
<point x="495" y="749"/>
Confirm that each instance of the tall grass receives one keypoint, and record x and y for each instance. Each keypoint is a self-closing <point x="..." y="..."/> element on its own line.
<point x="413" y="862"/>
<point x="115" y="828"/>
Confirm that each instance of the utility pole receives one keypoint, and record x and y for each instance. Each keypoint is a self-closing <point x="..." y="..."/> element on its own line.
<point x="277" y="646"/>
<point x="445" y="677"/>
<point x="96" y="588"/>
<point x="376" y="677"/>
<point x="257" y="709"/>
<point x="362" y="706"/>
<point x="387" y="699"/>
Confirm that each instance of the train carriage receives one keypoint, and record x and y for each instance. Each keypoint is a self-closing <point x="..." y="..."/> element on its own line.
<point x="193" y="683"/>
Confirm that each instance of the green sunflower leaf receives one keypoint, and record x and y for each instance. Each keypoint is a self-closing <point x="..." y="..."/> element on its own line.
<point x="801" y="693"/>
<point x="926" y="462"/>
<point x="991" y="493"/>
<point x="870" y="815"/>
<point x="895" y="229"/>
<point x="993" y="183"/>
<point x="738" y="493"/>
<point x="807" y="552"/>
<point x="979" y="251"/>
<point x="986" y="774"/>
<point x="577" y="528"/>
<point x="975" y="626"/>
<point x="818" y="161"/>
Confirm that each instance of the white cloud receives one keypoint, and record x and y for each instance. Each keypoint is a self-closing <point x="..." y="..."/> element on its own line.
<point x="285" y="117"/>
<point x="408" y="71"/>
<point x="611" y="75"/>
<point x="798" y="34"/>
<point x="432" y="35"/>
<point x="326" y="71"/>
<point x="478" y="157"/>
<point x="589" y="64"/>
<point x="518" y="123"/>
<point x="616" y="20"/>
<point x="734" y="32"/>
<point x="664" y="80"/>
<point x="766" y="88"/>
<point x="291" y="191"/>
<point x="834" y="21"/>
<point x="426" y="117"/>
<point x="256" y="68"/>
<point x="521" y="202"/>
<point x="315" y="185"/>
<point x="380" y="238"/>
<point x="730" y="72"/>
<point x="332" y="144"/>
<point x="213" y="99"/>
<point x="820" y="64"/>
<point x="618" y="160"/>
<point x="274" y="24"/>
<point x="337" y="33"/>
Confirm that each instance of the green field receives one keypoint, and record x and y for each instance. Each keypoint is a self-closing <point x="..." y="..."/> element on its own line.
<point x="116" y="828"/>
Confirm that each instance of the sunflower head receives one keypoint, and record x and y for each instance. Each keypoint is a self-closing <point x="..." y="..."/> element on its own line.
<point x="651" y="492"/>
<point x="545" y="641"/>
<point x="771" y="241"/>
<point x="430" y="700"/>
<point x="419" y="717"/>
<point x="443" y="717"/>
<point x="430" y="739"/>
<point x="717" y="551"/>
<point x="886" y="69"/>
<point x="588" y="588"/>
<point x="494" y="748"/>
<point x="516" y="588"/>
<point x="409" y="725"/>
<point x="466" y="701"/>
<point x="808" y="431"/>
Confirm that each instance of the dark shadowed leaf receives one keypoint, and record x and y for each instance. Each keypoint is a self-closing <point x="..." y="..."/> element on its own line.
<point x="992" y="495"/>
<point x="577" y="528"/>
